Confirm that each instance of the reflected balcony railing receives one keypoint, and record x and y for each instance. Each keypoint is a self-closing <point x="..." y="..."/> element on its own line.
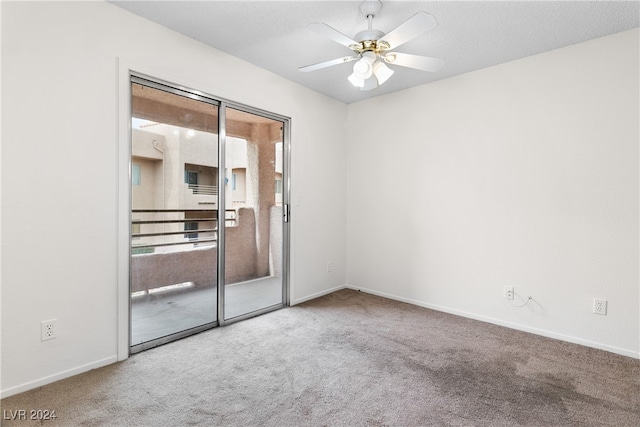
<point x="207" y="190"/>
<point x="179" y="232"/>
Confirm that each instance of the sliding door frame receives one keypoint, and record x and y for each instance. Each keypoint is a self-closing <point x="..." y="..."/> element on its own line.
<point x="126" y="73"/>
<point x="199" y="97"/>
<point x="286" y="179"/>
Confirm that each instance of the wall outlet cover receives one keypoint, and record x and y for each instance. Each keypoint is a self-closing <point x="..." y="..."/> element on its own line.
<point x="508" y="292"/>
<point x="600" y="306"/>
<point x="48" y="330"/>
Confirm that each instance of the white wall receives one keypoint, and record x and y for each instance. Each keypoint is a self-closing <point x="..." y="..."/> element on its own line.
<point x="524" y="174"/>
<point x="60" y="205"/>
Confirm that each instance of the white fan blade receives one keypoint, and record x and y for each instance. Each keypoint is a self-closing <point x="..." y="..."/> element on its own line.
<point x="418" y="62"/>
<point x="326" y="64"/>
<point x="332" y="33"/>
<point x="409" y="29"/>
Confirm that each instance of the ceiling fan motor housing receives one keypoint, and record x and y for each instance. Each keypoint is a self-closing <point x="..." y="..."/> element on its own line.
<point x="369" y="35"/>
<point x="369" y="40"/>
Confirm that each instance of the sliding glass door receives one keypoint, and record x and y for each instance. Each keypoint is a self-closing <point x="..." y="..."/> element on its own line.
<point x="253" y="267"/>
<point x="208" y="213"/>
<point x="174" y="182"/>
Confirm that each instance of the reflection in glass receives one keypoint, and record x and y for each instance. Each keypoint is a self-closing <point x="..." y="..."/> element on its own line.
<point x="253" y="238"/>
<point x="174" y="188"/>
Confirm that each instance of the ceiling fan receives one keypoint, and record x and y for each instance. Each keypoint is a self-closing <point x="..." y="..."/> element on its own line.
<point x="372" y="48"/>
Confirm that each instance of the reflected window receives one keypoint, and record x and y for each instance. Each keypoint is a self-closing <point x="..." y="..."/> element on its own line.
<point x="135" y="174"/>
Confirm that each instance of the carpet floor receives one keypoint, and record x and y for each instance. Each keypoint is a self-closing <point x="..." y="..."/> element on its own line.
<point x="350" y="359"/>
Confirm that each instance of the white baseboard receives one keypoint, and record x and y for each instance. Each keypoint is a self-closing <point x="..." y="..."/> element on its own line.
<point x="549" y="334"/>
<point x="516" y="326"/>
<point x="317" y="295"/>
<point x="57" y="377"/>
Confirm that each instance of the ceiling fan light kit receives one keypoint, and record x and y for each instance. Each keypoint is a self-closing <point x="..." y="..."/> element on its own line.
<point x="371" y="46"/>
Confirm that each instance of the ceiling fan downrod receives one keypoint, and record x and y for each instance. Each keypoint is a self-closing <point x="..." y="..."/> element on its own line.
<point x="369" y="39"/>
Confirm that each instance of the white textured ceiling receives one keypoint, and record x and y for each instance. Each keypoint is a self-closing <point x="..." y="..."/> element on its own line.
<point x="470" y="35"/>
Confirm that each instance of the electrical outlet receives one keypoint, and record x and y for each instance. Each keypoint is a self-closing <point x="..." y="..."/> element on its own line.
<point x="600" y="306"/>
<point x="508" y="292"/>
<point x="329" y="266"/>
<point x="48" y="330"/>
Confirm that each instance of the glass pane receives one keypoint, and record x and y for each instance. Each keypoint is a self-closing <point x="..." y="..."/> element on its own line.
<point x="253" y="229"/>
<point x="174" y="213"/>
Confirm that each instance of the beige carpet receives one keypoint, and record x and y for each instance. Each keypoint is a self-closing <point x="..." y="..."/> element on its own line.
<point x="351" y="359"/>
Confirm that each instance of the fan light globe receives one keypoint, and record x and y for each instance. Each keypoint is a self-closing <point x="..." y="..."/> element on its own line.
<point x="363" y="69"/>
<point x="356" y="80"/>
<point x="382" y="72"/>
<point x="369" y="72"/>
<point x="370" y="83"/>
